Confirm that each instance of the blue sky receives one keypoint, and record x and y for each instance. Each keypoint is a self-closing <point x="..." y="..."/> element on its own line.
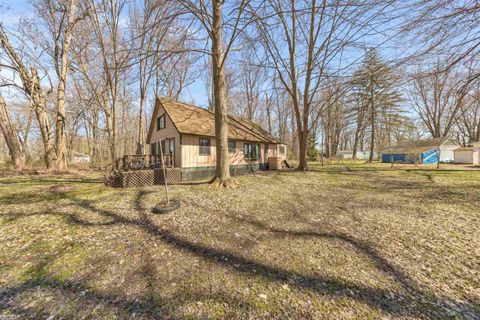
<point x="12" y="10"/>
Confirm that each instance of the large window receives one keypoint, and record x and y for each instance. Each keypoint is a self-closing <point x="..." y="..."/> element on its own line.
<point x="204" y="146"/>
<point x="251" y="151"/>
<point x="282" y="151"/>
<point x="231" y="146"/>
<point x="161" y="122"/>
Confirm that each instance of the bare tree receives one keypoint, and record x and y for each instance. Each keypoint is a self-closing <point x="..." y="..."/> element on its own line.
<point x="436" y="98"/>
<point x="32" y="88"/>
<point x="304" y="39"/>
<point x="17" y="154"/>
<point x="60" y="18"/>
<point x="105" y="17"/>
<point x="150" y="26"/>
<point x="211" y="17"/>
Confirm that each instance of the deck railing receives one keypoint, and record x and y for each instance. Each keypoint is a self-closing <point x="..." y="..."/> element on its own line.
<point x="139" y="162"/>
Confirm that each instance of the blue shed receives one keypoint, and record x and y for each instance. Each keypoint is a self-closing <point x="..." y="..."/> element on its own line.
<point x="420" y="151"/>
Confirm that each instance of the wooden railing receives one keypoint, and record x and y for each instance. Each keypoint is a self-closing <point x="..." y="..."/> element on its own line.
<point x="139" y="162"/>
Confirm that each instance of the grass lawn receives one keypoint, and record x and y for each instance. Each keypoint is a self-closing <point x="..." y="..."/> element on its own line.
<point x="339" y="242"/>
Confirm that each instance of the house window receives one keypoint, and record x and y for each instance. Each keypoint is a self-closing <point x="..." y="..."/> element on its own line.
<point x="265" y="152"/>
<point x="204" y="146"/>
<point x="281" y="150"/>
<point x="161" y="122"/>
<point x="251" y="151"/>
<point x="231" y="146"/>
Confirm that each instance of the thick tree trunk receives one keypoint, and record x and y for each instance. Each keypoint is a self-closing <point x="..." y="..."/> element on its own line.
<point x="222" y="173"/>
<point x="11" y="138"/>
<point x="302" y="149"/>
<point x="41" y="112"/>
<point x="60" y="137"/>
<point x="33" y="89"/>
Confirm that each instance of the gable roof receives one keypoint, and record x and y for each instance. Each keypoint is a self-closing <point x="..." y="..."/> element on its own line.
<point x="418" y="146"/>
<point x="189" y="119"/>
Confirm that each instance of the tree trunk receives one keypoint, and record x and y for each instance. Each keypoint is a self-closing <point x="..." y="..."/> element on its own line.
<point x="141" y="130"/>
<point x="222" y="172"/>
<point x="60" y="138"/>
<point x="42" y="117"/>
<point x="11" y="138"/>
<point x="33" y="89"/>
<point x="372" y="130"/>
<point x="302" y="149"/>
<point x="372" y="142"/>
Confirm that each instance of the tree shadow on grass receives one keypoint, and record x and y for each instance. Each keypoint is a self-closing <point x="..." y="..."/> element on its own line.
<point x="417" y="302"/>
<point x="88" y="302"/>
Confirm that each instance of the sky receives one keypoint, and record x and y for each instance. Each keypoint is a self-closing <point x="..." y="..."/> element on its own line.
<point x="12" y="10"/>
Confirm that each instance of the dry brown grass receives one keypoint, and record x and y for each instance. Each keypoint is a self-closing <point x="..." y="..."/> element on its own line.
<point x="341" y="242"/>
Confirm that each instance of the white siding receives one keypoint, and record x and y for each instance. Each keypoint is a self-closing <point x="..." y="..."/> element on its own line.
<point x="476" y="157"/>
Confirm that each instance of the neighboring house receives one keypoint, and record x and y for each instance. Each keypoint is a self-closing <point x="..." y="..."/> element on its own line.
<point x="186" y="134"/>
<point x="361" y="155"/>
<point x="468" y="155"/>
<point x="78" y="157"/>
<point x="422" y="151"/>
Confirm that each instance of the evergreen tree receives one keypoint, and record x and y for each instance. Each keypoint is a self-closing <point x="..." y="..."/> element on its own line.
<point x="312" y="152"/>
<point x="376" y="89"/>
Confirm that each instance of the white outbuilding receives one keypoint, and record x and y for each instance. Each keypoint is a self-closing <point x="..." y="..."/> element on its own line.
<point x="464" y="155"/>
<point x="476" y="153"/>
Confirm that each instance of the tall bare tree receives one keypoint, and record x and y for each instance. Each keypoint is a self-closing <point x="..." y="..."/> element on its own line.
<point x="437" y="99"/>
<point x="32" y="88"/>
<point x="60" y="18"/>
<point x="17" y="154"/>
<point x="211" y="17"/>
<point x="304" y="40"/>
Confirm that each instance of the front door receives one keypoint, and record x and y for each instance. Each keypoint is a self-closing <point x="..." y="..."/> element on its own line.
<point x="168" y="148"/>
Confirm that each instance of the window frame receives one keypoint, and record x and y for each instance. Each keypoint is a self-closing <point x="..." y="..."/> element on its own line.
<point x="159" y="122"/>
<point x="204" y="150"/>
<point x="254" y="153"/>
<point x="232" y="150"/>
<point x="280" y="147"/>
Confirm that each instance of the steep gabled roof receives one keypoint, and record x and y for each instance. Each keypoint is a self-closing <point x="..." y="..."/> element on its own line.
<point x="417" y="146"/>
<point x="189" y="119"/>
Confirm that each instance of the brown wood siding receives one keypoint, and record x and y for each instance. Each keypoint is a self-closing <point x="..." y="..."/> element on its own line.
<point x="168" y="132"/>
<point x="191" y="154"/>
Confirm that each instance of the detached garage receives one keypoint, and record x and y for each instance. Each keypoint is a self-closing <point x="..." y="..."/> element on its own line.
<point x="422" y="151"/>
<point x="464" y="155"/>
<point x="476" y="156"/>
<point x="468" y="155"/>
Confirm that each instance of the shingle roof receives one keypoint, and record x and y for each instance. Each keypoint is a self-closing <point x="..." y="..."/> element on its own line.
<point x="189" y="119"/>
<point x="416" y="147"/>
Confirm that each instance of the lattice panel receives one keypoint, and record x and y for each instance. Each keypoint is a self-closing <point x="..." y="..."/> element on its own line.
<point x="149" y="177"/>
<point x="202" y="174"/>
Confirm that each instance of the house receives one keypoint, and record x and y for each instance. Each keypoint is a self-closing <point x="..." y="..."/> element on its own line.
<point x="186" y="135"/>
<point x="422" y="151"/>
<point x="361" y="155"/>
<point x="78" y="157"/>
<point x="468" y="155"/>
